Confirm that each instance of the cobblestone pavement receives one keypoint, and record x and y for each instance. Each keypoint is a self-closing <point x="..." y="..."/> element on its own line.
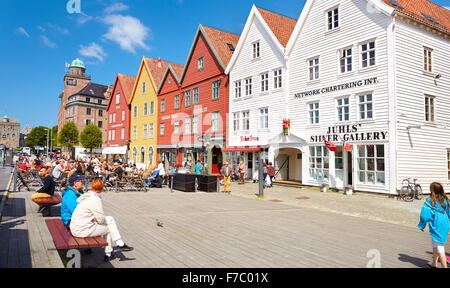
<point x="363" y="205"/>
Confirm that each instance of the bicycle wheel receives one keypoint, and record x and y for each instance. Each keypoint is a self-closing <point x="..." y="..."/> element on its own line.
<point x="406" y="194"/>
<point x="419" y="195"/>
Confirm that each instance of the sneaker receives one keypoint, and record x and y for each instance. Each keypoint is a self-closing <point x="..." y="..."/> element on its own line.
<point x="125" y="248"/>
<point x="431" y="266"/>
<point x="109" y="258"/>
<point x="448" y="259"/>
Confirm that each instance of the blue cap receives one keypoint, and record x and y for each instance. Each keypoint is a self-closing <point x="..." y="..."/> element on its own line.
<point x="76" y="177"/>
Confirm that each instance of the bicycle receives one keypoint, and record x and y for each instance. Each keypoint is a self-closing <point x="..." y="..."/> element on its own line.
<point x="410" y="190"/>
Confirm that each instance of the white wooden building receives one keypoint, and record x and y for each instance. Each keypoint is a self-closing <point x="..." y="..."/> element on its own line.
<point x="376" y="73"/>
<point x="258" y="92"/>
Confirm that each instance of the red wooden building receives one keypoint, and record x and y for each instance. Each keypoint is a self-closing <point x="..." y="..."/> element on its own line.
<point x="118" y="128"/>
<point x="194" y="103"/>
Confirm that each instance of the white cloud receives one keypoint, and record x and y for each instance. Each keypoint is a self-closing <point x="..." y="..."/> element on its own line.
<point x="40" y="28"/>
<point x="93" y="51"/>
<point x="116" y="7"/>
<point x="83" y="19"/>
<point x="60" y="30"/>
<point x="47" y="42"/>
<point x="22" y="31"/>
<point x="129" y="32"/>
<point x="447" y="7"/>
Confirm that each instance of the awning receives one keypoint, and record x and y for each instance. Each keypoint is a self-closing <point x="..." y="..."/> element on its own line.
<point x="122" y="150"/>
<point x="243" y="149"/>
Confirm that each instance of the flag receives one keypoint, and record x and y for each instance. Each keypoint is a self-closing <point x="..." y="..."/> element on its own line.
<point x="346" y="145"/>
<point x="329" y="145"/>
<point x="67" y="65"/>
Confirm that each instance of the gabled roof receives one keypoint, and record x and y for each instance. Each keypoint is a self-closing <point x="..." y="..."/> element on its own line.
<point x="217" y="41"/>
<point x="127" y="83"/>
<point x="280" y="25"/>
<point x="279" y="28"/>
<point x="157" y="69"/>
<point x="93" y="90"/>
<point x="176" y="72"/>
<point x="423" y="11"/>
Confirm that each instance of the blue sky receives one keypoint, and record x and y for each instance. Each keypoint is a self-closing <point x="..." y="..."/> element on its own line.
<point x="39" y="36"/>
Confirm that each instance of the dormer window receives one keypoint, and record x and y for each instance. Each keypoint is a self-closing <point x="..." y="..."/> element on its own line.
<point x="333" y="19"/>
<point x="256" y="50"/>
<point x="201" y="63"/>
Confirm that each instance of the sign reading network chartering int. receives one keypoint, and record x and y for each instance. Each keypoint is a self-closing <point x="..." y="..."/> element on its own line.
<point x="350" y="85"/>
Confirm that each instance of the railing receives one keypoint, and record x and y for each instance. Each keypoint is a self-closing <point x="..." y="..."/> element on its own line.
<point x="282" y="166"/>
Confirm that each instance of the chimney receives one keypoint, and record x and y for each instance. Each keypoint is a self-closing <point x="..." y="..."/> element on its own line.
<point x="159" y="62"/>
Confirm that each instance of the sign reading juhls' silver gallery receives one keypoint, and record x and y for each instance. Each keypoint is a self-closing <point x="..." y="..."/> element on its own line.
<point x="350" y="85"/>
<point x="349" y="133"/>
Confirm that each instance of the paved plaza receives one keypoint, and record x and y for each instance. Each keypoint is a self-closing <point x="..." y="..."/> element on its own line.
<point x="215" y="230"/>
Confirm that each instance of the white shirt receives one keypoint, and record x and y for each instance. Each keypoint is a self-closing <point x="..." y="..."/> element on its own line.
<point x="161" y="169"/>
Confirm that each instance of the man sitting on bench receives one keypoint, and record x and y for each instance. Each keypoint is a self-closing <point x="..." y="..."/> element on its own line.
<point x="89" y="220"/>
<point x="70" y="197"/>
<point x="46" y="191"/>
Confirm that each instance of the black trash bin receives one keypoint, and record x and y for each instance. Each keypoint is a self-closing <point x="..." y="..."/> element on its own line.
<point x="207" y="183"/>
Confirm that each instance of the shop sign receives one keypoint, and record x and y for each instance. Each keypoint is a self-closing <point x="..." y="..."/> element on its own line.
<point x="350" y="85"/>
<point x="349" y="133"/>
<point x="249" y="138"/>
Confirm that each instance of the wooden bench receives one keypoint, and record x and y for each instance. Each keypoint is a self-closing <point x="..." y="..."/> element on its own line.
<point x="64" y="240"/>
<point x="49" y="202"/>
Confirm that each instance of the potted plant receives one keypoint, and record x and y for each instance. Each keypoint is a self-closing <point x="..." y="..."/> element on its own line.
<point x="349" y="190"/>
<point x="325" y="187"/>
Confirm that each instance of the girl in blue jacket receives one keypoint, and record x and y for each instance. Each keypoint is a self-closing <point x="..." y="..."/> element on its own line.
<point x="436" y="213"/>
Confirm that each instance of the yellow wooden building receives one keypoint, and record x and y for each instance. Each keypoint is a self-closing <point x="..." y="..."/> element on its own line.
<point x="144" y="113"/>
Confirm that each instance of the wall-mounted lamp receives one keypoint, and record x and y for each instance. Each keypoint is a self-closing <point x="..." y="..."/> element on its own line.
<point x="413" y="127"/>
<point x="438" y="76"/>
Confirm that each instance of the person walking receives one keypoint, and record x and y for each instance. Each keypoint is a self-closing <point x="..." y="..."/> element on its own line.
<point x="271" y="173"/>
<point x="436" y="213"/>
<point x="89" y="220"/>
<point x="226" y="174"/>
<point x="241" y="172"/>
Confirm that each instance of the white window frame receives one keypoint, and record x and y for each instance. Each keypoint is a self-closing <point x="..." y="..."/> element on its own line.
<point x="123" y="115"/>
<point x="265" y="82"/>
<point x="340" y="109"/>
<point x="201" y="63"/>
<point x="123" y="134"/>
<point x="135" y="112"/>
<point x="152" y="131"/>
<point x="215" y="122"/>
<point x="365" y="103"/>
<point x="249" y="86"/>
<point x="135" y="133"/>
<point x="187" y="98"/>
<point x="144" y="87"/>
<point x="264" y="118"/>
<point x="256" y="50"/>
<point x="196" y="95"/>
<point x="246" y="120"/>
<point x="365" y="159"/>
<point x="314" y="68"/>
<point x="278" y="78"/>
<point x="195" y="126"/>
<point x="162" y="105"/>
<point x="152" y="108"/>
<point x="114" y="117"/>
<point x="162" y="128"/>
<point x="187" y="126"/>
<point x="176" y="128"/>
<point x="177" y="103"/>
<point x="314" y="113"/>
<point x="117" y="98"/>
<point x="216" y="90"/>
<point x="428" y="59"/>
<point x="145" y="131"/>
<point x="319" y="163"/>
<point x="236" y="121"/>
<point x="238" y="89"/>
<point x="331" y="20"/>
<point x="368" y="51"/>
<point x="145" y="109"/>
<point x="343" y="60"/>
<point x="430" y="109"/>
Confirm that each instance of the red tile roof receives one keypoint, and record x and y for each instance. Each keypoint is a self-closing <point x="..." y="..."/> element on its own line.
<point x="280" y="25"/>
<point x="127" y="83"/>
<point x="219" y="40"/>
<point x="158" y="69"/>
<point x="419" y="9"/>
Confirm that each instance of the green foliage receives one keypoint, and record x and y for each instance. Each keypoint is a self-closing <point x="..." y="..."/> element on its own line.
<point x="69" y="135"/>
<point x="91" y="137"/>
<point x="55" y="136"/>
<point x="37" y="137"/>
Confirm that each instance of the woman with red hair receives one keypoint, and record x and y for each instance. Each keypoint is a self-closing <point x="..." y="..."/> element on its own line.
<point x="89" y="220"/>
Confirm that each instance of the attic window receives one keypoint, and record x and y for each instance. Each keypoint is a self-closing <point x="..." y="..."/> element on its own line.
<point x="170" y="80"/>
<point x="395" y="3"/>
<point x="430" y="18"/>
<point x="230" y="47"/>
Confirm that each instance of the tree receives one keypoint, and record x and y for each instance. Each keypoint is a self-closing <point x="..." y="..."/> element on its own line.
<point x="69" y="135"/>
<point x="37" y="137"/>
<point x="91" y="137"/>
<point x="55" y="136"/>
